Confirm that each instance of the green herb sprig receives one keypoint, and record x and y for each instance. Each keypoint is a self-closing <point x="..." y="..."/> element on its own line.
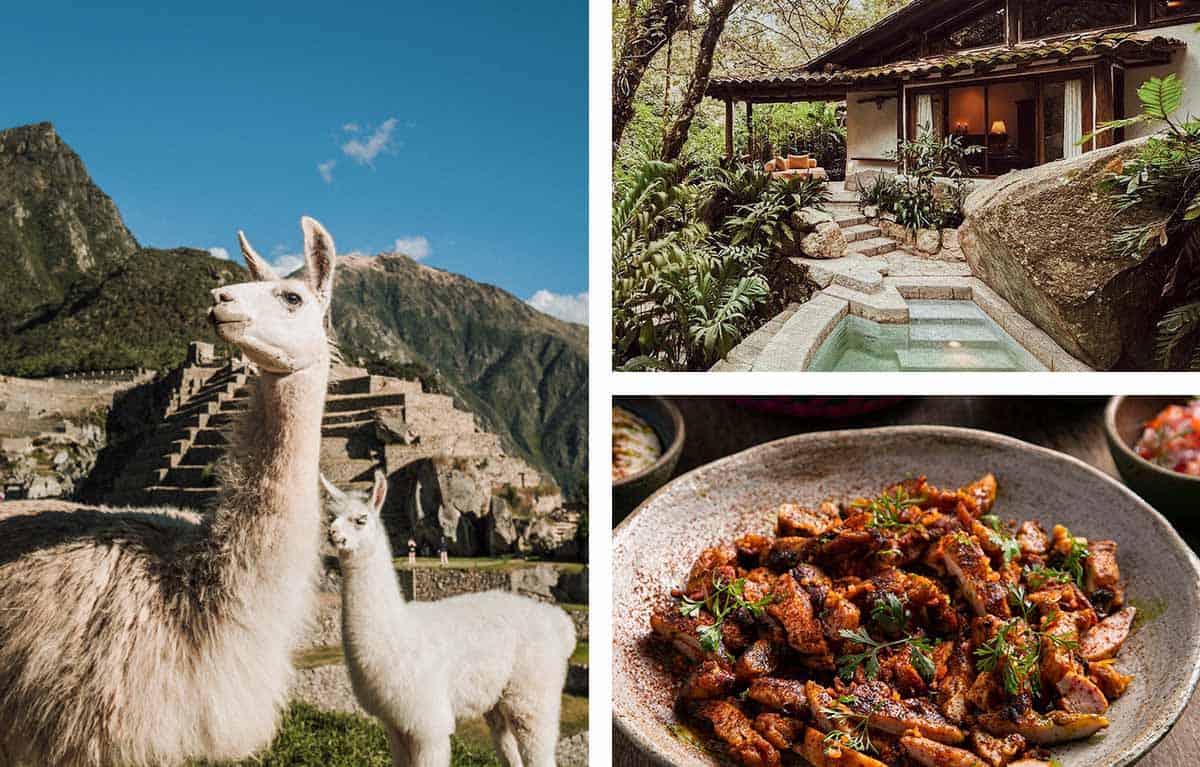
<point x="919" y="649"/>
<point x="859" y="736"/>
<point x="885" y="509"/>
<point x="1002" y="538"/>
<point x="1018" y="665"/>
<point x="724" y="599"/>
<point x="890" y="614"/>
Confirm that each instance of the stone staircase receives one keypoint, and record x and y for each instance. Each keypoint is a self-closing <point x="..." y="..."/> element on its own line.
<point x="174" y="466"/>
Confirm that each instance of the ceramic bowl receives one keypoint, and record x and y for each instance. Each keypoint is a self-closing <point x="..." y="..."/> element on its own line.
<point x="667" y="422"/>
<point x="654" y="548"/>
<point x="1176" y="495"/>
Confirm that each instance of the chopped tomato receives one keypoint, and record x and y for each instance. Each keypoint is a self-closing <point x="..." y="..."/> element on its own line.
<point x="1172" y="439"/>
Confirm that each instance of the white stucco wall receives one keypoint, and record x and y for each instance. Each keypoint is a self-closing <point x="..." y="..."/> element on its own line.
<point x="1184" y="63"/>
<point x="870" y="129"/>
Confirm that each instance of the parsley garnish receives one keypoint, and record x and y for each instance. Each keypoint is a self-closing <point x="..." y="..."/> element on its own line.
<point x="890" y="614"/>
<point x="859" y="736"/>
<point x="885" y="509"/>
<point x="1018" y="665"/>
<point x="919" y="649"/>
<point x="724" y="599"/>
<point x="1001" y="538"/>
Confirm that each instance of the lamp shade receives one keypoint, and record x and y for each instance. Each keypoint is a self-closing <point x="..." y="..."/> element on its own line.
<point x="999" y="128"/>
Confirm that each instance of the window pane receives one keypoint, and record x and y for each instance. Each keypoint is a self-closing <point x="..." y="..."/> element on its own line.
<point x="984" y="28"/>
<point x="1043" y="18"/>
<point x="1166" y="8"/>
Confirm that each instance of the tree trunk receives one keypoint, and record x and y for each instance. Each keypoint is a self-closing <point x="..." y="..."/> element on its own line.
<point x="677" y="135"/>
<point x="644" y="36"/>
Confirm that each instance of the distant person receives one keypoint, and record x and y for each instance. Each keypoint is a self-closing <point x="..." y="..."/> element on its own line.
<point x="443" y="551"/>
<point x="412" y="553"/>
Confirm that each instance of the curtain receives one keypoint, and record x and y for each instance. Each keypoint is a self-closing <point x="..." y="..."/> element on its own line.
<point x="1072" y="118"/>
<point x="924" y="114"/>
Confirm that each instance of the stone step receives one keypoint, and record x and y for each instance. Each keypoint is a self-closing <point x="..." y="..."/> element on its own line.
<point x="190" y="476"/>
<point x="947" y="311"/>
<point x="210" y="437"/>
<point x="355" y="385"/>
<point x="962" y="334"/>
<point x="742" y="356"/>
<point x="364" y="402"/>
<point x="344" y="429"/>
<point x="854" y="272"/>
<point x="202" y="455"/>
<point x="886" y="306"/>
<point x="851" y="219"/>
<point x="930" y="360"/>
<point x="872" y="247"/>
<point x="358" y="470"/>
<point x="190" y="497"/>
<point x="861" y="232"/>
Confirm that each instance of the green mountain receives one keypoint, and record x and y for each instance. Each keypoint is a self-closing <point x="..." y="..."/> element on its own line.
<point x="78" y="293"/>
<point x="523" y="373"/>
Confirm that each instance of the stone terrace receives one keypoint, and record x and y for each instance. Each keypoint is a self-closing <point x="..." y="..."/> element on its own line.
<point x="873" y="281"/>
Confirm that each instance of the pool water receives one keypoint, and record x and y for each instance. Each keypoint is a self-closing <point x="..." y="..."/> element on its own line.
<point x="940" y="335"/>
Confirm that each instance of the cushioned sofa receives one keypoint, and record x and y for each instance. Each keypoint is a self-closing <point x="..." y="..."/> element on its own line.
<point x="795" y="165"/>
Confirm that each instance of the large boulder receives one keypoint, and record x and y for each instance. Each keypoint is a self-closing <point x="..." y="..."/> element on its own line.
<point x="1041" y="239"/>
<point x="827" y="241"/>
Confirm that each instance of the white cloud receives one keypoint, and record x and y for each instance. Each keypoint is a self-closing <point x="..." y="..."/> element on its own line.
<point x="417" y="248"/>
<point x="364" y="152"/>
<point x="350" y="127"/>
<point x="326" y="170"/>
<point x="565" y="307"/>
<point x="220" y="253"/>
<point x="288" y="263"/>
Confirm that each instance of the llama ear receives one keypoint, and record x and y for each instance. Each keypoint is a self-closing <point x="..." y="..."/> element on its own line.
<point x="379" y="491"/>
<point x="319" y="257"/>
<point x="259" y="268"/>
<point x="331" y="488"/>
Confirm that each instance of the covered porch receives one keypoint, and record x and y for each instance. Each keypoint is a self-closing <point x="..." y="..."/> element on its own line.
<point x="1026" y="104"/>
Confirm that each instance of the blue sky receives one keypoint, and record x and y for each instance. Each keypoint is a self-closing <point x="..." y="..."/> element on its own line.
<point x="458" y="128"/>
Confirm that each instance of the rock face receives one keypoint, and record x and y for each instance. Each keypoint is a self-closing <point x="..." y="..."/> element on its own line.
<point x="51" y="464"/>
<point x="1040" y="238"/>
<point x="55" y="224"/>
<point x="523" y="373"/>
<point x="827" y="241"/>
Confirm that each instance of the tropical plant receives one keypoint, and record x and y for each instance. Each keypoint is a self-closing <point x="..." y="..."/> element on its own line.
<point x="1161" y="185"/>
<point x="770" y="221"/>
<point x="919" y="204"/>
<point x="882" y="193"/>
<point x="681" y="299"/>
<point x="725" y="190"/>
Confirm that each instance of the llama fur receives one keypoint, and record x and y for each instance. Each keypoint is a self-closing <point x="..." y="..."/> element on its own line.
<point x="421" y="667"/>
<point x="131" y="638"/>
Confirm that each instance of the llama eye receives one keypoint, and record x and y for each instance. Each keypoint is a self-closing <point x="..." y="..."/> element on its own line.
<point x="292" y="299"/>
<point x="360" y="521"/>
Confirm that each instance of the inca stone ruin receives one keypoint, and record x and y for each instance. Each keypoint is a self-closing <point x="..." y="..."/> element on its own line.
<point x="448" y="477"/>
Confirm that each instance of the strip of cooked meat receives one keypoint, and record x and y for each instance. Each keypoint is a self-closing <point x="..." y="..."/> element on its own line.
<point x="980" y="584"/>
<point x="997" y="752"/>
<point x="1031" y="763"/>
<point x="1110" y="681"/>
<point x="1106" y="637"/>
<point x="682" y="632"/>
<point x="934" y="754"/>
<point x="751" y="547"/>
<point x="1044" y="730"/>
<point x="761" y="659"/>
<point x="786" y="553"/>
<point x="1033" y="542"/>
<point x="782" y="732"/>
<point x="983" y="492"/>
<point x="1101" y="575"/>
<point x="1060" y="668"/>
<point x="954" y="678"/>
<point x="795" y="520"/>
<point x="899" y="716"/>
<point x="792" y="607"/>
<point x="711" y="679"/>
<point x="716" y="562"/>
<point x="819" y="753"/>
<point x="743" y="743"/>
<point x="787" y="695"/>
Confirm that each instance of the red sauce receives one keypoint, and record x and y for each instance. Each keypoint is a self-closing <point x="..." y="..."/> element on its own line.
<point x="1172" y="439"/>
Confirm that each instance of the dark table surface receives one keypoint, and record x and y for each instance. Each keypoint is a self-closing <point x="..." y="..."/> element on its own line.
<point x="719" y="427"/>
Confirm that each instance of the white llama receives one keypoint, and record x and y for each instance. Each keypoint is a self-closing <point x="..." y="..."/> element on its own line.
<point x="145" y="637"/>
<point x="423" y="666"/>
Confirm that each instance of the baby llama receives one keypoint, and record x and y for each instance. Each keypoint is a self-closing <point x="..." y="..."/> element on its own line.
<point x="423" y="666"/>
<point x="139" y="637"/>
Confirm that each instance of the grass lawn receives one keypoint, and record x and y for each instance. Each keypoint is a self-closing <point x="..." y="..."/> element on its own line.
<point x="487" y="563"/>
<point x="310" y="737"/>
<point x="580" y="655"/>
